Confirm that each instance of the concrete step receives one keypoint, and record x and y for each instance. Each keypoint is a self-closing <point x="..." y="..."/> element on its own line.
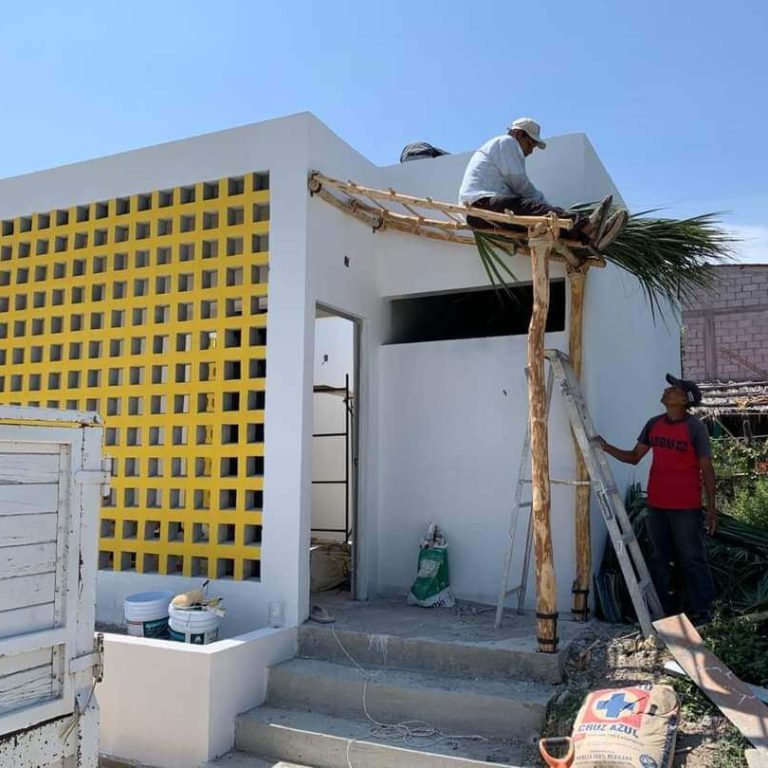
<point x="509" y="709"/>
<point x="244" y="760"/>
<point x="503" y="659"/>
<point x="322" y="741"/>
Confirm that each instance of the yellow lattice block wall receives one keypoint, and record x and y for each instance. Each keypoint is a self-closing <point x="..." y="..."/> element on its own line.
<point x="151" y="310"/>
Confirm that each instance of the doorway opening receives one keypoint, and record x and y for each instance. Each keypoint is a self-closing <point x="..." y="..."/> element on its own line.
<point x="333" y="554"/>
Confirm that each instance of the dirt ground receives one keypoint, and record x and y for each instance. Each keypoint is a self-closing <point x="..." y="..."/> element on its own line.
<point x="608" y="657"/>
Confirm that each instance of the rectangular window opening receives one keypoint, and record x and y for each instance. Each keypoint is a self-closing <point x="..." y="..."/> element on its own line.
<point x="471" y="314"/>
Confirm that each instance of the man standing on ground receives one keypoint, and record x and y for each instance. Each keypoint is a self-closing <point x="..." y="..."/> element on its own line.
<point x="681" y="458"/>
<point x="496" y="180"/>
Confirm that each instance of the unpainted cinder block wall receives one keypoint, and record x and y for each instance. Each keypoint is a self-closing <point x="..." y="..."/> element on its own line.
<point x="725" y="332"/>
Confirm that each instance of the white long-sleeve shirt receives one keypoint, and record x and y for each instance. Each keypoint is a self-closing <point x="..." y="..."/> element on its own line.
<point x="497" y="168"/>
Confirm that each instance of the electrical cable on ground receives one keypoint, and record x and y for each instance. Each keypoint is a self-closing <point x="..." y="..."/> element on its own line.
<point x="405" y="731"/>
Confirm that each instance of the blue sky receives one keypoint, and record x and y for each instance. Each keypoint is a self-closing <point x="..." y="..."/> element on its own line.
<point x="671" y="94"/>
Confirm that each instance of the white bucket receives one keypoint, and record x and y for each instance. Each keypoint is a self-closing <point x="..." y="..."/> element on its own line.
<point x="146" y="614"/>
<point x="196" y="626"/>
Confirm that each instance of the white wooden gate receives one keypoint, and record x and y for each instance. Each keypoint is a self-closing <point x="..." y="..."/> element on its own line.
<point x="51" y="478"/>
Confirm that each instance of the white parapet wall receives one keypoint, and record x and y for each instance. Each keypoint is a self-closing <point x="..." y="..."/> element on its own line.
<point x="174" y="705"/>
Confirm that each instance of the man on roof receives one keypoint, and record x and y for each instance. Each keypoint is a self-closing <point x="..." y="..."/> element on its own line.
<point x="675" y="523"/>
<point x="496" y="180"/>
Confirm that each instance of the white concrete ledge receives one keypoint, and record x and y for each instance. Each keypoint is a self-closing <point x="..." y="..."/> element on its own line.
<point x="172" y="704"/>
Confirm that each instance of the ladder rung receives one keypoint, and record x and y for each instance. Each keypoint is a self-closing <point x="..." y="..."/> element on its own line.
<point x="514" y="590"/>
<point x="628" y="537"/>
<point x="645" y="585"/>
<point x="525" y="504"/>
<point x="556" y="481"/>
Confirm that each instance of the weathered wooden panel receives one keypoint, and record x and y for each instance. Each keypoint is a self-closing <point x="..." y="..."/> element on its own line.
<point x="26" y="561"/>
<point x="28" y="498"/>
<point x="23" y="689"/>
<point x="18" y="468"/>
<point x="18" y="530"/>
<point x="732" y="697"/>
<point x="26" y="620"/>
<point x="18" y="662"/>
<point x="26" y="591"/>
<point x="41" y="746"/>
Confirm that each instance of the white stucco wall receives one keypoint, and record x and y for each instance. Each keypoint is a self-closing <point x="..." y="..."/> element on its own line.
<point x="453" y="415"/>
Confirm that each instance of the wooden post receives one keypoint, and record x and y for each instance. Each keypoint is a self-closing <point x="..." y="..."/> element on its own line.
<point x="541" y="239"/>
<point x="577" y="280"/>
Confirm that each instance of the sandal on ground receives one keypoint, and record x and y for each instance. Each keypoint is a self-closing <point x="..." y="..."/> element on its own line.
<point x="320" y="615"/>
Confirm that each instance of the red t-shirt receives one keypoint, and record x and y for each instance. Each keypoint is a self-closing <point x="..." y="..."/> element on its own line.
<point x="675" y="478"/>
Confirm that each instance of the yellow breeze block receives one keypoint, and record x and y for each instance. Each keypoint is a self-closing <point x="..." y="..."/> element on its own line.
<point x="152" y="310"/>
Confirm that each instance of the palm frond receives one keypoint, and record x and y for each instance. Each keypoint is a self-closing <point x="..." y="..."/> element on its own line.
<point x="492" y="250"/>
<point x="670" y="258"/>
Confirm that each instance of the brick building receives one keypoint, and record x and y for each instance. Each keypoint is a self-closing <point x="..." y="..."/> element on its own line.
<point x="725" y="332"/>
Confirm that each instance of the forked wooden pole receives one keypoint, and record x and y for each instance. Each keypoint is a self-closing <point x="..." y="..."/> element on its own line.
<point x="541" y="239"/>
<point x="577" y="279"/>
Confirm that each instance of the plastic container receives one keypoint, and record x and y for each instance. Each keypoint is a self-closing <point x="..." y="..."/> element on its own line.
<point x="146" y="614"/>
<point x="196" y="626"/>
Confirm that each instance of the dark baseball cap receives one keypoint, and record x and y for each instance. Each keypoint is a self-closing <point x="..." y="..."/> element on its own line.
<point x="689" y="387"/>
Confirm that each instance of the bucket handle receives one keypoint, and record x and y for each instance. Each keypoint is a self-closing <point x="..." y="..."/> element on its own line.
<point x="557" y="762"/>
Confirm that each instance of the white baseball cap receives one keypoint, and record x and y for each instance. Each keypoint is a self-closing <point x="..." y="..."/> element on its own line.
<point x="531" y="127"/>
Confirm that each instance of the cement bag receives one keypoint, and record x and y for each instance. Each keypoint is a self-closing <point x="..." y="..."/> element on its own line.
<point x="329" y="566"/>
<point x="623" y="728"/>
<point x="431" y="588"/>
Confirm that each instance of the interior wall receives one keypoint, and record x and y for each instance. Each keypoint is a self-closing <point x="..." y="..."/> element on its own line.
<point x="334" y="362"/>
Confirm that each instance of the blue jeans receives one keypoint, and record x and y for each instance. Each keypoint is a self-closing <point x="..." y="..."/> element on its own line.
<point x="678" y="534"/>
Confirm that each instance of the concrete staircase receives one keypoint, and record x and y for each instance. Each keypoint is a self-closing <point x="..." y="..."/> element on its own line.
<point x="314" y="714"/>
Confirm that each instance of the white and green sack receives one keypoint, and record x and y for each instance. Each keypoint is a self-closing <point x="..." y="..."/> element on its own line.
<point x="432" y="586"/>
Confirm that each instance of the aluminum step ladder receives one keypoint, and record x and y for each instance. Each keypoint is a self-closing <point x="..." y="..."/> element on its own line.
<point x="633" y="567"/>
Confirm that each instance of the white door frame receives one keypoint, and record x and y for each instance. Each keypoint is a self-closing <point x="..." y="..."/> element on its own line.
<point x="357" y="473"/>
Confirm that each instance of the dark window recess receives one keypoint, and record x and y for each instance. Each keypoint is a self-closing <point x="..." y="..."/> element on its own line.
<point x="471" y="314"/>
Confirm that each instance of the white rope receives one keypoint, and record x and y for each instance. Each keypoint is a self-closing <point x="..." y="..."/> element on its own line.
<point x="405" y="731"/>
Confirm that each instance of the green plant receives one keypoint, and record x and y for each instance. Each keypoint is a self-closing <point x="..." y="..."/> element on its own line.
<point x="750" y="502"/>
<point x="741" y="491"/>
<point x="740" y="643"/>
<point x="729" y="752"/>
<point x="562" y="712"/>
<point x="734" y="457"/>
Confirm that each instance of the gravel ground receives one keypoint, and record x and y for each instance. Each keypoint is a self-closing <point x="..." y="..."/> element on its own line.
<point x="609" y="657"/>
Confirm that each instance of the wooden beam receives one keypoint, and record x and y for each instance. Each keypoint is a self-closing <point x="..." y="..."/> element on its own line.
<point x="577" y="279"/>
<point x="540" y="240"/>
<point x="352" y="188"/>
<point x="434" y="229"/>
<point x="734" y="698"/>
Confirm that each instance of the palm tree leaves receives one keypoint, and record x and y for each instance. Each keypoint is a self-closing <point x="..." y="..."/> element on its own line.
<point x="670" y="258"/>
<point x="494" y="252"/>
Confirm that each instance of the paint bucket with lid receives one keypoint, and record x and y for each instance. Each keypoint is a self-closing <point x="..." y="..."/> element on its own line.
<point x="197" y="626"/>
<point x="146" y="614"/>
